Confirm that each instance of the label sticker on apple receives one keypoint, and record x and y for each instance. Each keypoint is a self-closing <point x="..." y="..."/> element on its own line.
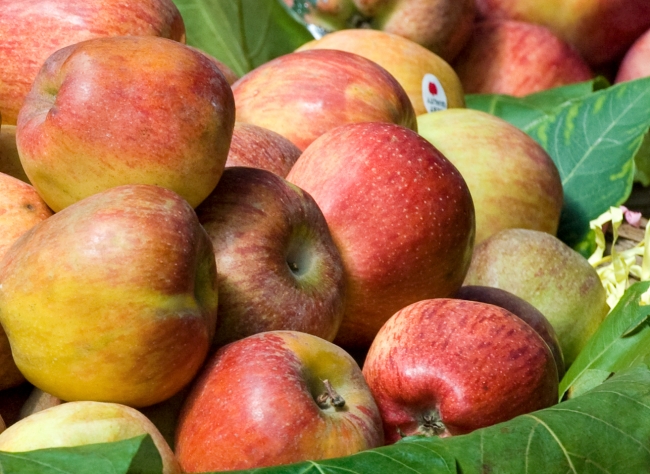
<point x="433" y="95"/>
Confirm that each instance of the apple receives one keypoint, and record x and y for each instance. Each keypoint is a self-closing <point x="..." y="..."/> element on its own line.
<point x="125" y="110"/>
<point x="513" y="181"/>
<point x="517" y="58"/>
<point x="444" y="367"/>
<point x="400" y="213"/>
<point x="278" y="265"/>
<point x="429" y="80"/>
<point x="304" y="94"/>
<point x="12" y="401"/>
<point x="31" y="30"/>
<point x="636" y="61"/>
<point x="9" y="158"/>
<point x="521" y="308"/>
<point x="81" y="423"/>
<point x="38" y="400"/>
<point x="550" y="275"/>
<point x="259" y="147"/>
<point x="601" y="30"/>
<point x="275" y="398"/>
<point x="113" y="298"/>
<point x="442" y="26"/>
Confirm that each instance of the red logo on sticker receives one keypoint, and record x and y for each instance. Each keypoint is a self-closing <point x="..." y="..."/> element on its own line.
<point x="432" y="88"/>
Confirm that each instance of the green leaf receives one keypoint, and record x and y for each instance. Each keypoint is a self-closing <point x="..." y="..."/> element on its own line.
<point x="243" y="34"/>
<point x="593" y="138"/>
<point x="137" y="455"/>
<point x="622" y="341"/>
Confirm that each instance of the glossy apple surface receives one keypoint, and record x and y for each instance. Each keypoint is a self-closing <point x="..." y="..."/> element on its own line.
<point x="262" y="401"/>
<point x="112" y="299"/>
<point x="304" y="94"/>
<point x="259" y="147"/>
<point x="125" y="110"/>
<point x="636" y="62"/>
<point x="84" y="422"/>
<point x="400" y="213"/>
<point x="31" y="30"/>
<point x="446" y="367"/>
<point x="278" y="267"/>
<point x="513" y="181"/>
<point x="429" y="80"/>
<point x="517" y="58"/>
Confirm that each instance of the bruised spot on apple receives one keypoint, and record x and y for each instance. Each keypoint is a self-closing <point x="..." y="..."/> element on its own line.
<point x="444" y="367"/>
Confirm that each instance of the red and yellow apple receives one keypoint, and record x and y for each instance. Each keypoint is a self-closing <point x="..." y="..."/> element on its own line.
<point x="113" y="298"/>
<point x="31" y="30"/>
<point x="636" y="62"/>
<point x="125" y="110"/>
<point x="9" y="159"/>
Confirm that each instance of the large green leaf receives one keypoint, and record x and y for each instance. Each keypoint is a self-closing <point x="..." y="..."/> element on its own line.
<point x="137" y="455"/>
<point x="592" y="137"/>
<point x="242" y="33"/>
<point x="622" y="341"/>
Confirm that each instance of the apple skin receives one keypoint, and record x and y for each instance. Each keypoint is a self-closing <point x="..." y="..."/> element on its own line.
<point x="521" y="308"/>
<point x="601" y="30"/>
<point x="400" y="213"/>
<point x="513" y="181"/>
<point x="259" y="147"/>
<point x="517" y="58"/>
<point x="278" y="265"/>
<point x="304" y="94"/>
<point x="636" y="62"/>
<point x="112" y="299"/>
<point x="406" y="60"/>
<point x="254" y="405"/>
<point x="445" y="367"/>
<point x="125" y="110"/>
<point x="81" y="423"/>
<point x="550" y="275"/>
<point x="9" y="159"/>
<point x="32" y="30"/>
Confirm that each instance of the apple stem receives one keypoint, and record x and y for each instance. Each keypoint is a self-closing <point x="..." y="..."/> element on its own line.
<point x="432" y="424"/>
<point x="330" y="397"/>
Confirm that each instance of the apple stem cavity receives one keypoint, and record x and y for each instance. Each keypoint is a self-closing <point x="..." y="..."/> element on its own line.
<point x="432" y="424"/>
<point x="330" y="397"/>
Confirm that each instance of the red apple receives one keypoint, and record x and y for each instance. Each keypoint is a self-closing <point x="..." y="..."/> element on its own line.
<point x="275" y="398"/>
<point x="125" y="110"/>
<point x="259" y="147"/>
<point x="400" y="213"/>
<point x="278" y="266"/>
<point x="304" y="94"/>
<point x="601" y="30"/>
<point x="517" y="58"/>
<point x="636" y="62"/>
<point x="31" y="30"/>
<point x="521" y="308"/>
<point x="444" y="367"/>
<point x="113" y="298"/>
<point x="429" y="80"/>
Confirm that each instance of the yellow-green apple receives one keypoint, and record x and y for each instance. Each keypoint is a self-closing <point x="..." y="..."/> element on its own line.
<point x="125" y="110"/>
<point x="21" y="208"/>
<point x="442" y="26"/>
<point x="400" y="213"/>
<point x="521" y="308"/>
<point x="259" y="147"/>
<point x="274" y="398"/>
<point x="113" y="298"/>
<point x="9" y="158"/>
<point x="517" y="58"/>
<point x="444" y="367"/>
<point x="550" y="275"/>
<point x="278" y="265"/>
<point x="31" y="30"/>
<point x="429" y="80"/>
<point x="304" y="94"/>
<point x="601" y="30"/>
<point x="81" y="423"/>
<point x="513" y="181"/>
<point x="636" y="61"/>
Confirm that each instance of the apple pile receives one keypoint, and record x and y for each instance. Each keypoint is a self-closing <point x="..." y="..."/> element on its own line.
<point x="322" y="256"/>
